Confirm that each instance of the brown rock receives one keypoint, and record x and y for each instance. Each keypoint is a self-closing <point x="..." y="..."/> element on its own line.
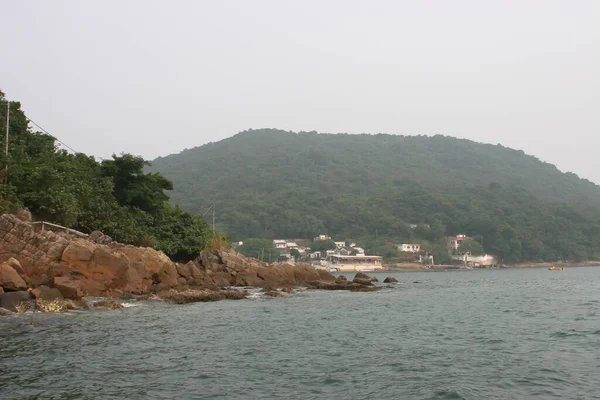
<point x="45" y="293"/>
<point x="23" y="214"/>
<point x="191" y="296"/>
<point x="68" y="287"/>
<point x="248" y="278"/>
<point x="13" y="262"/>
<point x="209" y="262"/>
<point x="112" y="304"/>
<point x="221" y="279"/>
<point x="1" y="290"/>
<point x="390" y="279"/>
<point x="78" y="251"/>
<point x="10" y="279"/>
<point x="273" y="293"/>
<point x="363" y="276"/>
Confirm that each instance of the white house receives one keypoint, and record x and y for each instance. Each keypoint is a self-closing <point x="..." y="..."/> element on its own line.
<point x="409" y="247"/>
<point x="279" y="244"/>
<point x="339" y="245"/>
<point x="359" y="250"/>
<point x="291" y="245"/>
<point x="475" y="261"/>
<point x="454" y="242"/>
<point x="322" y="237"/>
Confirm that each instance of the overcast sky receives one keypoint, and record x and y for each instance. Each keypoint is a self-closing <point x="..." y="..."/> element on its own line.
<point x="155" y="77"/>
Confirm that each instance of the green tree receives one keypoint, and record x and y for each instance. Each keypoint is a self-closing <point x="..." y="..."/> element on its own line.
<point x="262" y="249"/>
<point x="471" y="246"/>
<point x="295" y="253"/>
<point x="322" y="245"/>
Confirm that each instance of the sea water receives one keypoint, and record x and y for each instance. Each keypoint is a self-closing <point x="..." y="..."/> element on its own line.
<point x="467" y="334"/>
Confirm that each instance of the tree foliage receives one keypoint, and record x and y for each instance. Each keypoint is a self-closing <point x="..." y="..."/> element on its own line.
<point x="262" y="249"/>
<point x="322" y="245"/>
<point x="271" y="183"/>
<point x="115" y="196"/>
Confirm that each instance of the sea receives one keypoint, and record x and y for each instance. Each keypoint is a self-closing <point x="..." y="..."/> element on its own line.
<point x="461" y="334"/>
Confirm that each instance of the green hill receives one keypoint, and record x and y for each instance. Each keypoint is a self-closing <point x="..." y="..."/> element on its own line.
<point x="271" y="183"/>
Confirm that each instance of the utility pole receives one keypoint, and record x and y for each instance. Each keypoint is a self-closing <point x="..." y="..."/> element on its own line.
<point x="6" y="150"/>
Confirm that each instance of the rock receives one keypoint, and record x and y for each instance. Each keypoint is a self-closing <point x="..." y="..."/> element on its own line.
<point x="23" y="214"/>
<point x="191" y="296"/>
<point x="112" y="304"/>
<point x="10" y="279"/>
<point x="68" y="287"/>
<point x="273" y="293"/>
<point x="221" y="279"/>
<point x="1" y="290"/>
<point x="390" y="279"/>
<point x="4" y="312"/>
<point x="16" y="301"/>
<point x="13" y="262"/>
<point x="342" y="278"/>
<point x="44" y="293"/>
<point x="248" y="278"/>
<point x="343" y="285"/>
<point x="100" y="238"/>
<point x="363" y="276"/>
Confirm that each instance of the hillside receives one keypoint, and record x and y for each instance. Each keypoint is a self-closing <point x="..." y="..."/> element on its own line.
<point x="269" y="183"/>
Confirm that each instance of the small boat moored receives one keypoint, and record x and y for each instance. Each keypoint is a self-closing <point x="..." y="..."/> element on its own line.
<point x="556" y="269"/>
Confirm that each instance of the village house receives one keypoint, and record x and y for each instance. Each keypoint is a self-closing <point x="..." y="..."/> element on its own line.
<point x="409" y="248"/>
<point x="279" y="243"/>
<point x="454" y="242"/>
<point x="322" y="237"/>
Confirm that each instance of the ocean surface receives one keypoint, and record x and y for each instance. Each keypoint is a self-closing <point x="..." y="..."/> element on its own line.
<point x="474" y="334"/>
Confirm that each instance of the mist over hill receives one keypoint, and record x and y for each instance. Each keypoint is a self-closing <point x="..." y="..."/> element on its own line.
<point x="272" y="183"/>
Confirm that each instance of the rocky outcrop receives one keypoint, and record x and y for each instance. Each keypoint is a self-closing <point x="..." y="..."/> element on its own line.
<point x="363" y="279"/>
<point x="390" y="279"/>
<point x="10" y="279"/>
<point x="16" y="301"/>
<point x="61" y="268"/>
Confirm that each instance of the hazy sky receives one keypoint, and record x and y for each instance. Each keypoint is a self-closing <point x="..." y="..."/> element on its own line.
<point x="155" y="77"/>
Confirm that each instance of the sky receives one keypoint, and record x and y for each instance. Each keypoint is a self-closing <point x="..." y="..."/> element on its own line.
<point x="156" y="77"/>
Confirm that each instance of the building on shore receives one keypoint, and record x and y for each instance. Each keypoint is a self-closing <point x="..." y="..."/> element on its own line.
<point x="336" y="262"/>
<point x="409" y="247"/>
<point x="454" y="242"/>
<point x="475" y="261"/>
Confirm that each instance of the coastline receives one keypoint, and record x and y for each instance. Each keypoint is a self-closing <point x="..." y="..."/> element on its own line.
<point x="420" y="267"/>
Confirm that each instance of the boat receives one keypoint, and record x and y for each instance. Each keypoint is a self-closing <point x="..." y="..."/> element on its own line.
<point x="556" y="269"/>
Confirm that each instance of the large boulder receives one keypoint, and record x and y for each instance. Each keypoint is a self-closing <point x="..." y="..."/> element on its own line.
<point x="390" y="279"/>
<point x="44" y="293"/>
<point x="23" y="214"/>
<point x="363" y="279"/>
<point x="248" y="278"/>
<point x="13" y="262"/>
<point x="68" y="287"/>
<point x="10" y="279"/>
<point x="16" y="301"/>
<point x="155" y="262"/>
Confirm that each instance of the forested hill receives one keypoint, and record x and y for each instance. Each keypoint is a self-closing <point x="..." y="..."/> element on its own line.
<point x="271" y="183"/>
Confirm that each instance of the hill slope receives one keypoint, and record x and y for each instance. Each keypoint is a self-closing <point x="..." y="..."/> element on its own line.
<point x="269" y="183"/>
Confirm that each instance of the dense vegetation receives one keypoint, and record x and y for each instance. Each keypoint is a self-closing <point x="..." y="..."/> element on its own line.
<point x="74" y="190"/>
<point x="271" y="183"/>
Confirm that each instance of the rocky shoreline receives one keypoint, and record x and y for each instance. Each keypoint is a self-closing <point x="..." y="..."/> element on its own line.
<point x="56" y="271"/>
